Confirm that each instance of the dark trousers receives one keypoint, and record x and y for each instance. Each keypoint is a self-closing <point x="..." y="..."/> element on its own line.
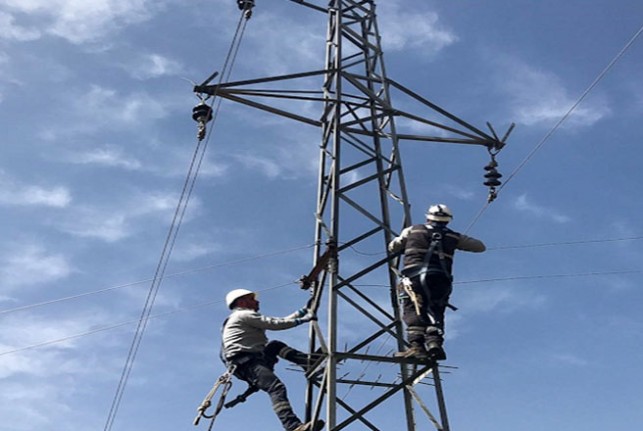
<point x="258" y="370"/>
<point x="433" y="297"/>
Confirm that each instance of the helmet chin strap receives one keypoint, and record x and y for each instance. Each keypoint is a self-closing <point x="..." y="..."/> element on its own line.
<point x="437" y="223"/>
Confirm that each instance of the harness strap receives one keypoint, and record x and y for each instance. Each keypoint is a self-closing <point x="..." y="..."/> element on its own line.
<point x="225" y="382"/>
<point x="435" y="245"/>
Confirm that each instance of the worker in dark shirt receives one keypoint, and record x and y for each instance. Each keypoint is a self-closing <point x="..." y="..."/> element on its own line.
<point x="427" y="279"/>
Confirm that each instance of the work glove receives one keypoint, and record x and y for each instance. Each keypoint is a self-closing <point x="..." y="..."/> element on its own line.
<point x="305" y="318"/>
<point x="301" y="312"/>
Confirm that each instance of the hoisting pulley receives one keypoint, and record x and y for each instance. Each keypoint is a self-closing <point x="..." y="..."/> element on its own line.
<point x="246" y="5"/>
<point x="202" y="114"/>
<point x="492" y="177"/>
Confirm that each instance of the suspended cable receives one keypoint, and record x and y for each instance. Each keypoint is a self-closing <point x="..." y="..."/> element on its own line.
<point x="549" y="244"/>
<point x="134" y="283"/>
<point x="128" y="322"/>
<point x="562" y="120"/>
<point x="179" y="213"/>
<point x="218" y="301"/>
<point x="553" y="244"/>
<point x="285" y="251"/>
<point x="533" y="277"/>
<point x="530" y="277"/>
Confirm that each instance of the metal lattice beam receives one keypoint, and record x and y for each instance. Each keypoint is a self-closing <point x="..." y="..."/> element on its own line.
<point x="361" y="204"/>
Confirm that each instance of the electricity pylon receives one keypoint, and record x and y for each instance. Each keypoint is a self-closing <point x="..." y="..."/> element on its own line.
<point x="362" y="204"/>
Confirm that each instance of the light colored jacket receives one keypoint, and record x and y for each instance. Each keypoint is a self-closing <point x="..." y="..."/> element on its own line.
<point x="245" y="330"/>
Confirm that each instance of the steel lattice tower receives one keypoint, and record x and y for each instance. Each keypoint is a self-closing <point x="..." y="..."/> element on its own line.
<point x="362" y="204"/>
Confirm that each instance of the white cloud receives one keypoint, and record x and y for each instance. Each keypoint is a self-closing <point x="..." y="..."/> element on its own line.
<point x="403" y="27"/>
<point x="109" y="107"/>
<point x="116" y="223"/>
<point x="30" y="264"/>
<point x="15" y="193"/>
<point x="9" y="30"/>
<point x="175" y="164"/>
<point x="154" y="66"/>
<point x="275" y="54"/>
<point x="493" y="298"/>
<point x="90" y="223"/>
<point x="459" y="192"/>
<point x="194" y="250"/>
<point x="101" y="108"/>
<point x="569" y="359"/>
<point x="522" y="204"/>
<point x="20" y="404"/>
<point x="298" y="161"/>
<point x="538" y="96"/>
<point x="51" y="374"/>
<point x="80" y="21"/>
<point x="266" y="166"/>
<point x="108" y="156"/>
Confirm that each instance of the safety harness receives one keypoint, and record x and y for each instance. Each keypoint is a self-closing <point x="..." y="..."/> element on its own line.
<point x="406" y="283"/>
<point x="225" y="383"/>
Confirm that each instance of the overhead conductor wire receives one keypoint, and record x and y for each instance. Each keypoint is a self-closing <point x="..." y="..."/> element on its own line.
<point x="134" y="283"/>
<point x="129" y="322"/>
<point x="179" y="213"/>
<point x="562" y="120"/>
<point x="205" y="304"/>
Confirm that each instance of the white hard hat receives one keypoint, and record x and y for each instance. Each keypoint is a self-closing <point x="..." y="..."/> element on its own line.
<point x="439" y="212"/>
<point x="235" y="294"/>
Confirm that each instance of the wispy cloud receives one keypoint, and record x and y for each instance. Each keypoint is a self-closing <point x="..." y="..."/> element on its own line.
<point x="50" y="373"/>
<point x="403" y="27"/>
<point x="14" y="193"/>
<point x="100" y="108"/>
<point x="153" y="66"/>
<point x="121" y="221"/>
<point x="268" y="167"/>
<point x="524" y="205"/>
<point x="539" y="96"/>
<point x="110" y="107"/>
<point x="493" y="298"/>
<point x="569" y="359"/>
<point x="107" y="156"/>
<point x="299" y="160"/>
<point x="30" y="264"/>
<point x="275" y="54"/>
<point x="11" y="31"/>
<point x="79" y="21"/>
<point x="194" y="250"/>
<point x="459" y="192"/>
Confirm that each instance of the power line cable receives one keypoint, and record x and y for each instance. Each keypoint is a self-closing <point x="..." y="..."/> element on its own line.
<point x="209" y="303"/>
<point x="534" y="277"/>
<point x="127" y="323"/>
<point x="564" y="118"/>
<point x="121" y="286"/>
<point x="553" y="244"/>
<point x="179" y="213"/>
<point x="289" y="250"/>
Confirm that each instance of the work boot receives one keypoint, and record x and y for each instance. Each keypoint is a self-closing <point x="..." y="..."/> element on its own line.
<point x="416" y="350"/>
<point x="311" y="362"/>
<point x="435" y="351"/>
<point x="310" y="426"/>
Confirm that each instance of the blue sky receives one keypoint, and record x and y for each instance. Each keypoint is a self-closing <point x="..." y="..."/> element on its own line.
<point x="97" y="135"/>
